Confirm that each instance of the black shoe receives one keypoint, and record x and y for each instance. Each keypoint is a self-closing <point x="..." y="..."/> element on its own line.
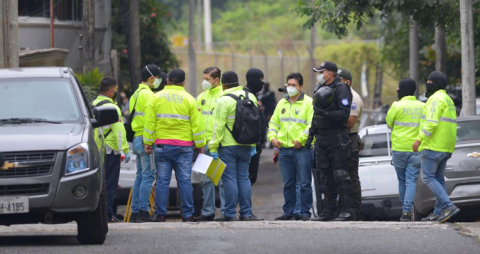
<point x="297" y="217"/>
<point x="305" y="218"/>
<point x="144" y="217"/>
<point x="448" y="213"/>
<point x="406" y="217"/>
<point x="114" y="220"/>
<point x="255" y="218"/>
<point x="189" y="219"/>
<point x="203" y="218"/>
<point x="431" y="217"/>
<point x="159" y="218"/>
<point x="220" y="218"/>
<point x="348" y="216"/>
<point x="230" y="218"/>
<point x="248" y="218"/>
<point x="284" y="217"/>
<point x="325" y="216"/>
<point x="133" y="218"/>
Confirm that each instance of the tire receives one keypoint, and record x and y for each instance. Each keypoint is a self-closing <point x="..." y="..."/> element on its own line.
<point x="197" y="199"/>
<point x="93" y="226"/>
<point x="417" y="216"/>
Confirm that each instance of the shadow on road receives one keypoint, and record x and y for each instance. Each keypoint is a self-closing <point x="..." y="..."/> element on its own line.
<point x="35" y="240"/>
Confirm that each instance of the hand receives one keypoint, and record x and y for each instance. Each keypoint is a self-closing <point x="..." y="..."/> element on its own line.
<point x="201" y="149"/>
<point x="253" y="151"/>
<point x="276" y="143"/>
<point x="214" y="155"/>
<point x="296" y="145"/>
<point x="148" y="149"/>
<point x="308" y="144"/>
<point x="416" y="145"/>
<point x="127" y="157"/>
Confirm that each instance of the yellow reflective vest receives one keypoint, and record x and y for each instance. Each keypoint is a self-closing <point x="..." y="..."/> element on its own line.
<point x="438" y="130"/>
<point x="207" y="101"/>
<point x="224" y="114"/>
<point x="173" y="118"/>
<point x="404" y="118"/>
<point x="117" y="136"/>
<point x="140" y="100"/>
<point x="291" y="121"/>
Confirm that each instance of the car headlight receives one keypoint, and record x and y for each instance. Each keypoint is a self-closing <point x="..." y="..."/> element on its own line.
<point x="77" y="159"/>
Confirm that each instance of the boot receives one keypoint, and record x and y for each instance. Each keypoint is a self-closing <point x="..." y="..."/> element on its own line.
<point x="346" y="212"/>
<point x="329" y="213"/>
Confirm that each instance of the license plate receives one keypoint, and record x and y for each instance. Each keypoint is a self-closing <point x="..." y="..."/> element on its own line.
<point x="10" y="205"/>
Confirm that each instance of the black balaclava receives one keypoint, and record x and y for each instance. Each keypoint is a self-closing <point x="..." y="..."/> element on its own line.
<point x="254" y="84"/>
<point x="439" y="82"/>
<point x="406" y="87"/>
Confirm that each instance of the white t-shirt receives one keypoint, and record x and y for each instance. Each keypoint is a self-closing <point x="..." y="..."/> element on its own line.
<point x="356" y="110"/>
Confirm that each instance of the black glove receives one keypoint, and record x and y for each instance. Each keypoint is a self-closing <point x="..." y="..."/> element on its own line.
<point x="308" y="144"/>
<point x="320" y="111"/>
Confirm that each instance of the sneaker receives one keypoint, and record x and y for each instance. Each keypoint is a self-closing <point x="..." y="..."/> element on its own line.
<point x="448" y="213"/>
<point x="230" y="218"/>
<point x="431" y="217"/>
<point x="114" y="220"/>
<point x="220" y="218"/>
<point x="159" y="218"/>
<point x="255" y="218"/>
<point x="406" y="217"/>
<point x="284" y="217"/>
<point x="248" y="218"/>
<point x="144" y="217"/>
<point x="189" y="219"/>
<point x="203" y="218"/>
<point x="133" y="218"/>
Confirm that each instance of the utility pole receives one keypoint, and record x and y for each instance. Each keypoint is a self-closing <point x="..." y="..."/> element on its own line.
<point x="52" y="17"/>
<point x="311" y="51"/>
<point x="199" y="24"/>
<point x="128" y="39"/>
<point x="414" y="74"/>
<point x="9" y="34"/>
<point x="208" y="25"/>
<point x="468" y="59"/>
<point x="136" y="50"/>
<point x="192" y="58"/>
<point x="88" y="44"/>
<point x="440" y="48"/>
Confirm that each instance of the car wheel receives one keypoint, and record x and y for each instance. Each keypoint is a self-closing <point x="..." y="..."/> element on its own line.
<point x="417" y="216"/>
<point x="93" y="226"/>
<point x="197" y="199"/>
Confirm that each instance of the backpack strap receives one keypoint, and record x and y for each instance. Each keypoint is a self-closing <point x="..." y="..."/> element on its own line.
<point x="101" y="103"/>
<point x="132" y="114"/>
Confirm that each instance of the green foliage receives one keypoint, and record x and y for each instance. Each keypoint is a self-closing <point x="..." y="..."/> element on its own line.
<point x="90" y="82"/>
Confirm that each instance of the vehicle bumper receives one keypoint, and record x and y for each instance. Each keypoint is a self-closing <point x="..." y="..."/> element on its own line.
<point x="384" y="207"/>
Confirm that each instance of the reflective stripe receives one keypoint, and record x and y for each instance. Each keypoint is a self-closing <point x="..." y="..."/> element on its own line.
<point x="198" y="134"/>
<point x="199" y="142"/>
<point x="173" y="116"/>
<point x="138" y="114"/>
<point x="306" y="132"/>
<point x="295" y="120"/>
<point x="147" y="139"/>
<point x="147" y="131"/>
<point x="207" y="113"/>
<point x="406" y="124"/>
<point x="427" y="133"/>
<point x="309" y="123"/>
<point x="423" y="117"/>
<point x="231" y="117"/>
<point x="275" y="124"/>
<point x="272" y="129"/>
<point x="432" y="121"/>
<point x="446" y="119"/>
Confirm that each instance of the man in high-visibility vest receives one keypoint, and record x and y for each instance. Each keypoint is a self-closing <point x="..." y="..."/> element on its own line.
<point x="238" y="188"/>
<point x="115" y="142"/>
<point x="403" y="118"/>
<point x="145" y="176"/>
<point x="436" y="140"/>
<point x="288" y="131"/>
<point x="173" y="126"/>
<point x="207" y="101"/>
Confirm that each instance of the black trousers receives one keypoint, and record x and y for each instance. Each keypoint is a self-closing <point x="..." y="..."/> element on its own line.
<point x="353" y="173"/>
<point x="254" y="164"/>
<point x="112" y="170"/>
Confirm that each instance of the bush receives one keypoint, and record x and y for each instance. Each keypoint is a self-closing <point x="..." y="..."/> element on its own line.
<point x="90" y="82"/>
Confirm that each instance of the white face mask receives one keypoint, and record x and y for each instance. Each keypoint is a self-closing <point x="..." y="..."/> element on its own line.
<point x="292" y="91"/>
<point x="320" y="79"/>
<point x="157" y="82"/>
<point x="206" y="85"/>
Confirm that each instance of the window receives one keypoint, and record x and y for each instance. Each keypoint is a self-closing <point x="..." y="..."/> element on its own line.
<point x="63" y="9"/>
<point x="375" y="145"/>
<point x="468" y="131"/>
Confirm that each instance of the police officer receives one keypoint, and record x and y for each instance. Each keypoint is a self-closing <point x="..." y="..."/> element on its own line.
<point x="353" y="125"/>
<point x="332" y="102"/>
<point x="403" y="118"/>
<point x="436" y="140"/>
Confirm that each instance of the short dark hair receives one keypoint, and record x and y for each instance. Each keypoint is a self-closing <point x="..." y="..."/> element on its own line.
<point x="107" y="84"/>
<point x="297" y="76"/>
<point x="214" y="72"/>
<point x="230" y="79"/>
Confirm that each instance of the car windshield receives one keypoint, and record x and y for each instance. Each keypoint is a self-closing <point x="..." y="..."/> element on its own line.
<point x="374" y="145"/>
<point x="468" y="131"/>
<point x="38" y="100"/>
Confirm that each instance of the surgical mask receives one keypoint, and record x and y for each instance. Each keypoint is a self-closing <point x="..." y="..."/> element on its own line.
<point x="292" y="91"/>
<point x="320" y="79"/>
<point x="157" y="82"/>
<point x="206" y="85"/>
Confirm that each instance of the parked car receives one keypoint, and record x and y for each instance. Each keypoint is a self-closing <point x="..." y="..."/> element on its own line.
<point x="54" y="168"/>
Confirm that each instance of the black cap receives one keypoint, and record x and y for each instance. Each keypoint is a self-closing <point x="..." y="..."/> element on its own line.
<point x="229" y="78"/>
<point x="438" y="77"/>
<point x="176" y="76"/>
<point x="345" y="74"/>
<point x="149" y="71"/>
<point x="326" y="66"/>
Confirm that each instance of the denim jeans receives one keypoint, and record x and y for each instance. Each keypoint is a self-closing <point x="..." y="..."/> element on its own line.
<point x="433" y="175"/>
<point x="165" y="157"/>
<point x="112" y="174"/>
<point x="238" y="188"/>
<point x="298" y="198"/>
<point x="142" y="187"/>
<point x="208" y="189"/>
<point x="296" y="164"/>
<point x="407" y="165"/>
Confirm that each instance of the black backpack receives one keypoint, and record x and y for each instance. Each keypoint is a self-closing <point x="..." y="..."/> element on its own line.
<point x="98" y="105"/>
<point x="128" y="125"/>
<point x="246" y="129"/>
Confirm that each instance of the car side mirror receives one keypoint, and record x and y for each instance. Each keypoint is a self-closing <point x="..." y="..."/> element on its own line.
<point x="104" y="115"/>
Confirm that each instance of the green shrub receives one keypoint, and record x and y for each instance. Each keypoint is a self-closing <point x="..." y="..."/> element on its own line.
<point x="90" y="82"/>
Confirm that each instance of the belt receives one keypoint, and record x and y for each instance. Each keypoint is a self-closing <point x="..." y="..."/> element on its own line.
<point x="331" y="132"/>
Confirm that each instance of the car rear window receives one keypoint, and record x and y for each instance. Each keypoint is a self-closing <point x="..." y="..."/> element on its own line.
<point x="468" y="131"/>
<point x="374" y="145"/>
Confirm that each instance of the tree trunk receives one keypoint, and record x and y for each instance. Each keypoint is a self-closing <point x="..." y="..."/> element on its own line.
<point x="128" y="39"/>
<point x="440" y="48"/>
<point x="468" y="59"/>
<point x="9" y="34"/>
<point x="88" y="35"/>
<point x="199" y="24"/>
<point x="192" y="59"/>
<point x="136" y="50"/>
<point x="414" y="54"/>
<point x="311" y="51"/>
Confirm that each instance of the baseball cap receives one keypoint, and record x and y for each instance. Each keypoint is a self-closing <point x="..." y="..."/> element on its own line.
<point x="176" y="76"/>
<point x="345" y="74"/>
<point x="326" y="66"/>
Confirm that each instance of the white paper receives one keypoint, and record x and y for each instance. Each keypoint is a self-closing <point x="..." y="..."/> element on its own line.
<point x="202" y="163"/>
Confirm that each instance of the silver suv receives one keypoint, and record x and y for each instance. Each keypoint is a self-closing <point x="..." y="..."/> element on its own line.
<point x="53" y="170"/>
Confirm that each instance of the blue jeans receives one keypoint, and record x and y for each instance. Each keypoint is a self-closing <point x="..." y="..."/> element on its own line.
<point x="298" y="198"/>
<point x="407" y="165"/>
<point x="142" y="186"/>
<point x="208" y="189"/>
<point x="296" y="164"/>
<point x="238" y="188"/>
<point x="433" y="175"/>
<point x="165" y="157"/>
